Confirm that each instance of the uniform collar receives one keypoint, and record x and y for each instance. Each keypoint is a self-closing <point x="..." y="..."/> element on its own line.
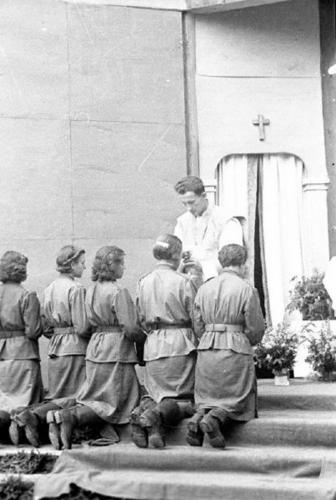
<point x="165" y="265"/>
<point x="231" y="271"/>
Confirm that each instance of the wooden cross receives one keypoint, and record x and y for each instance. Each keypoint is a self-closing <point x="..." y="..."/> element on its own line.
<point x="260" y="122"/>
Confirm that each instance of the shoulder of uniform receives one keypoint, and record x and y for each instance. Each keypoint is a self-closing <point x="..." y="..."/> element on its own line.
<point x="183" y="275"/>
<point x="78" y="285"/>
<point x="26" y="294"/>
<point x="208" y="284"/>
<point x="247" y="285"/>
<point x="143" y="276"/>
<point x="121" y="288"/>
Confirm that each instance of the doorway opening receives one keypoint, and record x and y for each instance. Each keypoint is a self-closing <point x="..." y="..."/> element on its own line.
<point x="265" y="190"/>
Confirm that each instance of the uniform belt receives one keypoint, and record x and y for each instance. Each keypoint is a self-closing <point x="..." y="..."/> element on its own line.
<point x="8" y="334"/>
<point x="109" y="328"/>
<point x="62" y="330"/>
<point x="168" y="326"/>
<point x="222" y="327"/>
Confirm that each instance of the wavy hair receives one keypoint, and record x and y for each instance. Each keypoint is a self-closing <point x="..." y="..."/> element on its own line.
<point x="232" y="255"/>
<point x="103" y="268"/>
<point x="13" y="267"/>
<point x="66" y="256"/>
<point x="190" y="183"/>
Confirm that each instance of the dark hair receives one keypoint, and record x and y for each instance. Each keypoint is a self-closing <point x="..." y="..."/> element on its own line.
<point x="66" y="256"/>
<point x="104" y="263"/>
<point x="190" y="183"/>
<point x="232" y="255"/>
<point x="167" y="247"/>
<point x="13" y="267"/>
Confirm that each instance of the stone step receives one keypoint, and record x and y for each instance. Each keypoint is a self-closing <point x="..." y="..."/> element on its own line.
<point x="278" y="428"/>
<point x="289" y="461"/>
<point x="177" y="485"/>
<point x="300" y="395"/>
<point x="180" y="472"/>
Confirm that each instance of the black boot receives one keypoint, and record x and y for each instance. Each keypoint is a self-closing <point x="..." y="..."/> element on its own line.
<point x="30" y="424"/>
<point x="166" y="413"/>
<point x="195" y="435"/>
<point x="152" y="421"/>
<point x="66" y="421"/>
<point x="53" y="430"/>
<point x="211" y="426"/>
<point x="139" y="433"/>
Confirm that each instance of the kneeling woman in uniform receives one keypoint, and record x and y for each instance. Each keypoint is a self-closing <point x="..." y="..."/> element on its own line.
<point x="20" y="327"/>
<point x="165" y="300"/>
<point x="68" y="330"/>
<point x="229" y="321"/>
<point x="111" y="389"/>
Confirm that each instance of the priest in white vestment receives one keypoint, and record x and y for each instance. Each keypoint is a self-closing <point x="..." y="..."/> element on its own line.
<point x="203" y="229"/>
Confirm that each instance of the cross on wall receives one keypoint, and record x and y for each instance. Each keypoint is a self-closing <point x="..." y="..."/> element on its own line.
<point x="261" y="122"/>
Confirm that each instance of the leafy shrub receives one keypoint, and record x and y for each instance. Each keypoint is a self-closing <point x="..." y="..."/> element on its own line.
<point x="278" y="349"/>
<point x="322" y="350"/>
<point x="310" y="297"/>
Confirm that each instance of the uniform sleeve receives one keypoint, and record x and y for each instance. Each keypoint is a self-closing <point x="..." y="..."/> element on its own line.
<point x="126" y="315"/>
<point x="254" y="320"/>
<point x="231" y="232"/>
<point x="190" y="292"/>
<point x="31" y="316"/>
<point x="78" y="312"/>
<point x="198" y="323"/>
<point x="140" y="319"/>
<point x="47" y="328"/>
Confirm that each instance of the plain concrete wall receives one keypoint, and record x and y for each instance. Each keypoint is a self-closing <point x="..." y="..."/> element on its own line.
<point x="92" y="131"/>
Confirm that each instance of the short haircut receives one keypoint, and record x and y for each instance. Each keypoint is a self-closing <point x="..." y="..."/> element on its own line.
<point x="103" y="268"/>
<point x="232" y="255"/>
<point x="13" y="267"/>
<point x="66" y="256"/>
<point x="167" y="247"/>
<point x="190" y="183"/>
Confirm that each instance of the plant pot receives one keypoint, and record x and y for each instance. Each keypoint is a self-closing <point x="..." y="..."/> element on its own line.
<point x="281" y="377"/>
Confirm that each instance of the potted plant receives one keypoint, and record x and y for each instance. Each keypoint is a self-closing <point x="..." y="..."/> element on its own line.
<point x="321" y="347"/>
<point x="310" y="297"/>
<point x="277" y="352"/>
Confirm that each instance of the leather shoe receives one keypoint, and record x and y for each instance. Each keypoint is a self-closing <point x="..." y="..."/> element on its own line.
<point x="30" y="422"/>
<point x="66" y="421"/>
<point x="53" y="431"/>
<point x="15" y="433"/>
<point x="139" y="434"/>
<point x="151" y="420"/>
<point x="211" y="427"/>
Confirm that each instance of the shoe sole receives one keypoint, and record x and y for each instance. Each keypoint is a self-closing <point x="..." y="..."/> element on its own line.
<point x="156" y="442"/>
<point x="139" y="436"/>
<point x="54" y="436"/>
<point x="194" y="439"/>
<point x="31" y="437"/>
<point x="14" y="433"/>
